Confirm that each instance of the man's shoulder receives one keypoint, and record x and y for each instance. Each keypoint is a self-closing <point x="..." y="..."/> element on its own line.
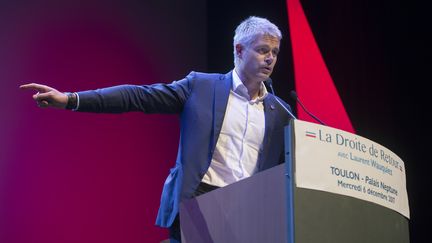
<point x="209" y="76"/>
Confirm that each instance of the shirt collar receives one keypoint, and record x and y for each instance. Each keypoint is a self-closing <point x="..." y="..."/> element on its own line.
<point x="239" y="88"/>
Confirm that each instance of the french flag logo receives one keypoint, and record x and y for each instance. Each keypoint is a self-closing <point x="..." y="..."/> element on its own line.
<point x="310" y="134"/>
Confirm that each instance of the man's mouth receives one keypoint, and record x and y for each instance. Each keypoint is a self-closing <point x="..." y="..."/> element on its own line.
<point x="267" y="69"/>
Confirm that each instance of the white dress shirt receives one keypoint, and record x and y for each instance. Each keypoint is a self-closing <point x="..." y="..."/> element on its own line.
<point x="241" y="137"/>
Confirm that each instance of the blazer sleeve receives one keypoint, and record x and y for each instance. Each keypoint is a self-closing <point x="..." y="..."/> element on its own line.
<point x="155" y="98"/>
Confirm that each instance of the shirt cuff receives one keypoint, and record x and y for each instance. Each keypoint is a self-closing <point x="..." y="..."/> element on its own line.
<point x="77" y="106"/>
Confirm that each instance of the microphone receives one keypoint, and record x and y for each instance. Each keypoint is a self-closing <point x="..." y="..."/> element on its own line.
<point x="270" y="84"/>
<point x="295" y="97"/>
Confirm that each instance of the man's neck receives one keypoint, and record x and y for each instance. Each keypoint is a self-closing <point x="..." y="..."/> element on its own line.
<point x="253" y="87"/>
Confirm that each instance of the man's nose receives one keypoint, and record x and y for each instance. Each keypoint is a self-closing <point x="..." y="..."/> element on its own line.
<point x="269" y="58"/>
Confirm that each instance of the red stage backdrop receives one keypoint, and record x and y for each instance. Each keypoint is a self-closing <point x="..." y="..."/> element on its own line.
<point x="312" y="78"/>
<point x="74" y="177"/>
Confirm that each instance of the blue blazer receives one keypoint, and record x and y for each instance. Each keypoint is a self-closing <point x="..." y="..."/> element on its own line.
<point x="200" y="99"/>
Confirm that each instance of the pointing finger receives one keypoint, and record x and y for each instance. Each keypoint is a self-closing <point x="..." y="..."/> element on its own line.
<point x="37" y="87"/>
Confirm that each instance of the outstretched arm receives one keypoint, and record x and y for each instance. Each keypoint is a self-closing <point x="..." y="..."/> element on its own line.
<point x="47" y="96"/>
<point x="155" y="98"/>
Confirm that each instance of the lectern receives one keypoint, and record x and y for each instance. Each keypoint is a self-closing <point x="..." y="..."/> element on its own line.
<point x="333" y="187"/>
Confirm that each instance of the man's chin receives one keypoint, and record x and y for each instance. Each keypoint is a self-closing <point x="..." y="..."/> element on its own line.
<point x="264" y="76"/>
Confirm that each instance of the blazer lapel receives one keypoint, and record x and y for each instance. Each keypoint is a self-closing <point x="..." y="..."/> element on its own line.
<point x="220" y="101"/>
<point x="270" y="115"/>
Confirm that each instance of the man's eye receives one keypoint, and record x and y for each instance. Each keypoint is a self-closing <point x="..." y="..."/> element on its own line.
<point x="263" y="50"/>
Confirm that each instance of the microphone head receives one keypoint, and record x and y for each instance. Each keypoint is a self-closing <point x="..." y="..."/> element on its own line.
<point x="269" y="81"/>
<point x="293" y="95"/>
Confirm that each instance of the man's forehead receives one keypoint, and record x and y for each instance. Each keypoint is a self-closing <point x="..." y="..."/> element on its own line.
<point x="266" y="40"/>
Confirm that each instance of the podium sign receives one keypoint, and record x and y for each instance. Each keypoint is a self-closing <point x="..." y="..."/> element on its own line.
<point x="343" y="188"/>
<point x="332" y="160"/>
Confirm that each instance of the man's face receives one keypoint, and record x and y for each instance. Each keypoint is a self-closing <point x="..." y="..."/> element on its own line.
<point x="256" y="61"/>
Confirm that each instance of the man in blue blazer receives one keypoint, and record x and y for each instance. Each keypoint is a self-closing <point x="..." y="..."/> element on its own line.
<point x="231" y="127"/>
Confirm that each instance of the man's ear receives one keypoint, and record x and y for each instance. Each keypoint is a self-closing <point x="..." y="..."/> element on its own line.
<point x="239" y="50"/>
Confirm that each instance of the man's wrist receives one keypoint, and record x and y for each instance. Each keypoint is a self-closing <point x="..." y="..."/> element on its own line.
<point x="72" y="101"/>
